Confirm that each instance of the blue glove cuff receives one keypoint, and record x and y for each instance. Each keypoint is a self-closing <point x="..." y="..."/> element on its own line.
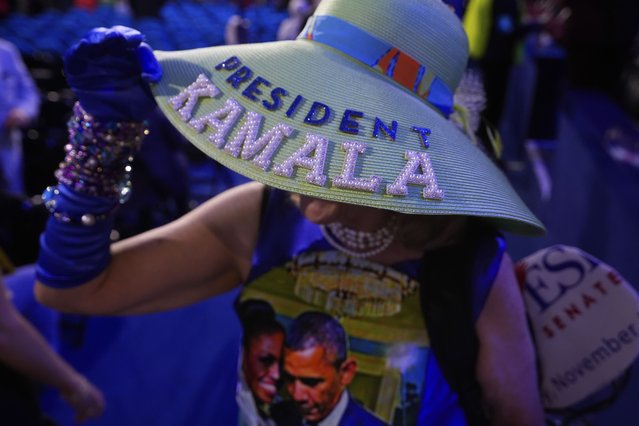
<point x="73" y="250"/>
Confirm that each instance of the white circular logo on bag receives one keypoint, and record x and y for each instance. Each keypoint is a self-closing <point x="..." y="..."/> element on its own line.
<point x="585" y="321"/>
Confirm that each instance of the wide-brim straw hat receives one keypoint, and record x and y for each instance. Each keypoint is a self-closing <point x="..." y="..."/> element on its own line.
<point x="355" y="110"/>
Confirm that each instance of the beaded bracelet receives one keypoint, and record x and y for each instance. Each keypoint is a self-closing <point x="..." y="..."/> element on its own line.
<point x="51" y="199"/>
<point x="99" y="155"/>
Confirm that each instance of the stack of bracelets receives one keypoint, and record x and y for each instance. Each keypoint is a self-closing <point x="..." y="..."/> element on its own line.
<point x="97" y="164"/>
<point x="93" y="180"/>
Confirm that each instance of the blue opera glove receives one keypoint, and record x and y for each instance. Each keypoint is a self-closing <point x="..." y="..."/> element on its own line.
<point x="109" y="71"/>
<point x="75" y="246"/>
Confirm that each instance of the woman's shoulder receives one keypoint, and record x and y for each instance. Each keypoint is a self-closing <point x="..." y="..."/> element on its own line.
<point x="233" y="215"/>
<point x="238" y="200"/>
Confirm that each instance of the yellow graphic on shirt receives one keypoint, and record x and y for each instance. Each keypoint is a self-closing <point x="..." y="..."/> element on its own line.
<point x="349" y="287"/>
<point x="379" y="309"/>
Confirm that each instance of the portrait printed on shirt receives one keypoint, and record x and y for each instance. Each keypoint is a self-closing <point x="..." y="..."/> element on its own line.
<point x="331" y="339"/>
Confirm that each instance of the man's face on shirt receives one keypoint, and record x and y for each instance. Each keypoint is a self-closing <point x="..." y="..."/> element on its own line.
<point x="313" y="381"/>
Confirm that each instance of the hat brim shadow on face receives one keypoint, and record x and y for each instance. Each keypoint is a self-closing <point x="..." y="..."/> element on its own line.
<point x="359" y="99"/>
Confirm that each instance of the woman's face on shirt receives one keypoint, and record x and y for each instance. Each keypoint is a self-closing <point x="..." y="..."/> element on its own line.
<point x="262" y="365"/>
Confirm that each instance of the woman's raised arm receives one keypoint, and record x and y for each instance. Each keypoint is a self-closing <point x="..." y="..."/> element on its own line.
<point x="206" y="252"/>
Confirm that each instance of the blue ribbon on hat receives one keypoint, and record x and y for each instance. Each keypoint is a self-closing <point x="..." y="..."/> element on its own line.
<point x="382" y="57"/>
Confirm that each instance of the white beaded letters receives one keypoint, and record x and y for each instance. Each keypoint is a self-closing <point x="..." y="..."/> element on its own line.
<point x="408" y="175"/>
<point x="221" y="120"/>
<point x="185" y="101"/>
<point x="248" y="144"/>
<point x="301" y="158"/>
<point x="347" y="180"/>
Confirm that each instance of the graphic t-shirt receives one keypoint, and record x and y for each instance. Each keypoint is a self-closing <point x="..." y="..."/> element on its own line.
<point x="306" y="281"/>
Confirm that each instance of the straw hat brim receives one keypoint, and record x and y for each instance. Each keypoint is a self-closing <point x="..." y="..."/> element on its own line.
<point x="472" y="185"/>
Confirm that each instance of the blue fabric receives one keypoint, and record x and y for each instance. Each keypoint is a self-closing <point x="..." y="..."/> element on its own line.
<point x="143" y="362"/>
<point x="439" y="404"/>
<point x="441" y="97"/>
<point x="356" y="415"/>
<point x="485" y="271"/>
<point x="184" y="359"/>
<point x="347" y="38"/>
<point x="109" y="70"/>
<point x="167" y="369"/>
<point x="20" y="283"/>
<point x="70" y="253"/>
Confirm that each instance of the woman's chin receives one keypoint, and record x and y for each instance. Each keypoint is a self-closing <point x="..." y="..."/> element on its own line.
<point x="318" y="211"/>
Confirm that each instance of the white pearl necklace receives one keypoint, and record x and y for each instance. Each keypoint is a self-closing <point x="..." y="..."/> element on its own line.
<point x="360" y="243"/>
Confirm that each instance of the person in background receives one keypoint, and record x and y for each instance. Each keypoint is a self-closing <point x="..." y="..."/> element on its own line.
<point x="298" y="11"/>
<point x="19" y="106"/>
<point x="26" y="359"/>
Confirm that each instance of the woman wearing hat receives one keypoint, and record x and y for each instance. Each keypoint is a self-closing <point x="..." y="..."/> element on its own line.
<point x="367" y="203"/>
